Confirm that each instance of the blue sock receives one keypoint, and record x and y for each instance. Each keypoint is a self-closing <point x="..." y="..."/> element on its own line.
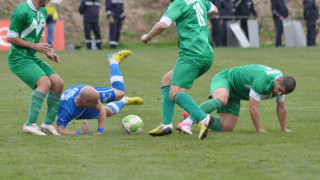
<point x="116" y="76"/>
<point x="116" y="106"/>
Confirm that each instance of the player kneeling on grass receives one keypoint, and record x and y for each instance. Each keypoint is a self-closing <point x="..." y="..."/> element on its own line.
<point x="251" y="83"/>
<point x="86" y="102"/>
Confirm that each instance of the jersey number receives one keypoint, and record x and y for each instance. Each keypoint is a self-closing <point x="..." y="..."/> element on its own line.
<point x="199" y="12"/>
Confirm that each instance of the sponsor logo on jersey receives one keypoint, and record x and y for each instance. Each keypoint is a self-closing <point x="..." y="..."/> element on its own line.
<point x="34" y="26"/>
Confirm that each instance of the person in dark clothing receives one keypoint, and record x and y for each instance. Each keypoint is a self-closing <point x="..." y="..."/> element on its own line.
<point x="216" y="27"/>
<point x="90" y="11"/>
<point x="244" y="8"/>
<point x="310" y="14"/>
<point x="115" y="16"/>
<point x="226" y="7"/>
<point x="279" y="12"/>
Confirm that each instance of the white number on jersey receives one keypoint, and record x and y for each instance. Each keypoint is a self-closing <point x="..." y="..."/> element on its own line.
<point x="199" y="12"/>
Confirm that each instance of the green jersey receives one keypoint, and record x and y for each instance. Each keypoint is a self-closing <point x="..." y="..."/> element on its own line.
<point x="28" y="24"/>
<point x="254" y="80"/>
<point x="190" y="17"/>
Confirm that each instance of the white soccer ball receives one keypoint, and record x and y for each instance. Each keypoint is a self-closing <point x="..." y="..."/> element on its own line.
<point x="132" y="124"/>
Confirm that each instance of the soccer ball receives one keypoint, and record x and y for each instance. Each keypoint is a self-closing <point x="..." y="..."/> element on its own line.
<point x="132" y="124"/>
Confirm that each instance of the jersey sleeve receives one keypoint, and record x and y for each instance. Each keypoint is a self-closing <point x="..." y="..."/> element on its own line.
<point x="257" y="88"/>
<point x="254" y="95"/>
<point x="280" y="98"/>
<point x="209" y="6"/>
<point x="16" y="24"/>
<point x="63" y="118"/>
<point x="173" y="12"/>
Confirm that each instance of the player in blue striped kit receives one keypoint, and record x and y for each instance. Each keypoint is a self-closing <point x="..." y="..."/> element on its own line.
<point x="86" y="102"/>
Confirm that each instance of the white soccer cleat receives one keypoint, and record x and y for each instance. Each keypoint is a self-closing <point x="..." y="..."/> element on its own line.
<point x="33" y="129"/>
<point x="184" y="127"/>
<point x="49" y="129"/>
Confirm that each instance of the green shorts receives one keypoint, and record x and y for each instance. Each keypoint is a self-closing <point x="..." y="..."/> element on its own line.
<point x="30" y="70"/>
<point x="186" y="71"/>
<point x="220" y="80"/>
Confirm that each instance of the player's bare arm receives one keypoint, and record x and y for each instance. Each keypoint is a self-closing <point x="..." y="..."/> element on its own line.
<point x="62" y="130"/>
<point x="282" y="115"/>
<point x="39" y="47"/>
<point x="157" y="29"/>
<point x="254" y="113"/>
<point x="102" y="116"/>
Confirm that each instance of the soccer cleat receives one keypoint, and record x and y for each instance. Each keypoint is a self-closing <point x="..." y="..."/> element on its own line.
<point x="184" y="127"/>
<point x="133" y="100"/>
<point x="33" y="129"/>
<point x="185" y="115"/>
<point x="119" y="56"/>
<point x="161" y="130"/>
<point x="49" y="129"/>
<point x="204" y="124"/>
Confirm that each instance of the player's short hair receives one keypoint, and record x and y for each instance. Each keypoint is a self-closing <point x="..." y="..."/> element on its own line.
<point x="289" y="83"/>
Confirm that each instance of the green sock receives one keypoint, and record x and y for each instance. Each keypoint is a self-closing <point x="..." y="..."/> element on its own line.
<point x="216" y="126"/>
<point x="53" y="102"/>
<point x="210" y="106"/>
<point x="186" y="102"/>
<point x="37" y="98"/>
<point x="167" y="106"/>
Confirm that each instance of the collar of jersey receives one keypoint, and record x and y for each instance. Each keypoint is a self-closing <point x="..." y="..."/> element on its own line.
<point x="31" y="5"/>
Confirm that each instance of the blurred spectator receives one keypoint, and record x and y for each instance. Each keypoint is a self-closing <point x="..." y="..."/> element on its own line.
<point x="216" y="27"/>
<point x="279" y="12"/>
<point x="226" y="13"/>
<point x="244" y="8"/>
<point x="115" y="16"/>
<point x="90" y="11"/>
<point x="310" y="14"/>
<point x="52" y="17"/>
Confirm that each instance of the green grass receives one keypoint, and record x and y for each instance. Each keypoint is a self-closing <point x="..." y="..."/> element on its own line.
<point x="242" y="154"/>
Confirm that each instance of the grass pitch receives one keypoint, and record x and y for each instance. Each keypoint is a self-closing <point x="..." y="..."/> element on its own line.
<point x="242" y="154"/>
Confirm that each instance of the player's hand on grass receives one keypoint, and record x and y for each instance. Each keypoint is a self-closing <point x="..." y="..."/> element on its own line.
<point x="53" y="57"/>
<point x="98" y="133"/>
<point x="287" y="130"/>
<point x="262" y="131"/>
<point x="42" y="47"/>
<point x="144" y="39"/>
<point x="84" y="128"/>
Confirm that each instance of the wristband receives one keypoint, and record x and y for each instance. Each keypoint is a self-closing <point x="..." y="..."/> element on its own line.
<point x="78" y="132"/>
<point x="100" y="130"/>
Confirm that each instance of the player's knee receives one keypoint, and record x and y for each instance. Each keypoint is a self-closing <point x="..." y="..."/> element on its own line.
<point x="166" y="79"/>
<point x="44" y="84"/>
<point x="227" y="128"/>
<point x="118" y="94"/>
<point x="224" y="101"/>
<point x="109" y="111"/>
<point x="58" y="85"/>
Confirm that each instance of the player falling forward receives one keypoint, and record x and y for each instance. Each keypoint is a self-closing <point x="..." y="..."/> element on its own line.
<point x="86" y="102"/>
<point x="251" y="83"/>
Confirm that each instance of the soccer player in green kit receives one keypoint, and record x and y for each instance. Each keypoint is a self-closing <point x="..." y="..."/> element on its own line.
<point x="195" y="58"/>
<point x="252" y="83"/>
<point x="26" y="35"/>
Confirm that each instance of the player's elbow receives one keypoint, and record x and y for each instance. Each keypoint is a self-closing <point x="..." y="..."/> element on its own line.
<point x="162" y="26"/>
<point x="10" y="40"/>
